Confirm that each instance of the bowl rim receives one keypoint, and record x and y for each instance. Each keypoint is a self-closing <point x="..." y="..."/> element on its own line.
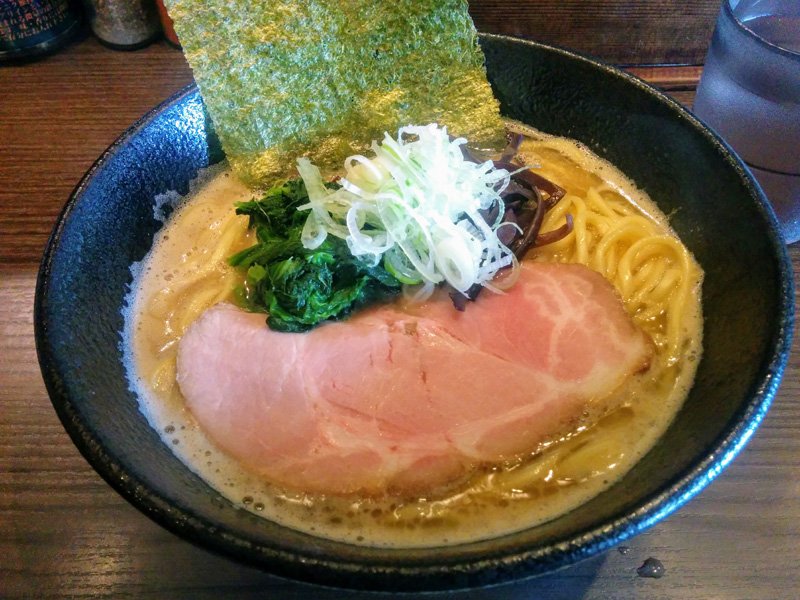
<point x="465" y="571"/>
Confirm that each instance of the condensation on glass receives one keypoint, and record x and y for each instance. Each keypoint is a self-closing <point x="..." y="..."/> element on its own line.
<point x="750" y="94"/>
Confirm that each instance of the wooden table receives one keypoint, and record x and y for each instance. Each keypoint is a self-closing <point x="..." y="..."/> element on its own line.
<point x="65" y="533"/>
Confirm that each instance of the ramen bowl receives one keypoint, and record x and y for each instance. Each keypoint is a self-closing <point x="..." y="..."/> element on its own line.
<point x="712" y="201"/>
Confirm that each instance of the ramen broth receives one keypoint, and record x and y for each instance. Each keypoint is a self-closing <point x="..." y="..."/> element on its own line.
<point x="186" y="272"/>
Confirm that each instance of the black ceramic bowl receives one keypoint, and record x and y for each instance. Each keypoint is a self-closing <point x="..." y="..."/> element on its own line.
<point x="714" y="205"/>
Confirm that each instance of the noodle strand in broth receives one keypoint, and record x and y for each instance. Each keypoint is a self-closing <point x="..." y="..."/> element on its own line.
<point x="648" y="265"/>
<point x="617" y="231"/>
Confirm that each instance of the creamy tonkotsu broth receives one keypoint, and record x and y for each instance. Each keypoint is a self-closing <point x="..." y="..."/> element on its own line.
<point x="186" y="273"/>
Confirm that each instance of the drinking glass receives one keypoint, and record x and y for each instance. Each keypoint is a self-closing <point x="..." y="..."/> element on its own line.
<point x="749" y="93"/>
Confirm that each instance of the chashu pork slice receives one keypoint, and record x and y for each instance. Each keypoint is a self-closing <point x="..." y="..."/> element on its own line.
<point x="409" y="398"/>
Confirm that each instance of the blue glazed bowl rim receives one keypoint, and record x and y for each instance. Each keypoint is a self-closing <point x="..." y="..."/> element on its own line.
<point x="388" y="571"/>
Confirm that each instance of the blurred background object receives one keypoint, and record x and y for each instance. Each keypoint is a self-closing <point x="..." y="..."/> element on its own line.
<point x="124" y="24"/>
<point x="750" y="94"/>
<point x="167" y="25"/>
<point x="620" y="32"/>
<point x="31" y="28"/>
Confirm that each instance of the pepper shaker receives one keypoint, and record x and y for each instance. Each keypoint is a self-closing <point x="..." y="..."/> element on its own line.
<point x="124" y="24"/>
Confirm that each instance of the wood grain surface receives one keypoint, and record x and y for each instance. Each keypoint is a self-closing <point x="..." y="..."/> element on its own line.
<point x="64" y="533"/>
<point x="621" y="33"/>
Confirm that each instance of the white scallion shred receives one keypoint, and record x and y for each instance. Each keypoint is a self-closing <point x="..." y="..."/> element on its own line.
<point x="415" y="205"/>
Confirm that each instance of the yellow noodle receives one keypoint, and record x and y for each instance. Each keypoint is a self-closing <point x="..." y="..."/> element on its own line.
<point x="648" y="265"/>
<point x="642" y="258"/>
<point x="163" y="376"/>
<point x="590" y="458"/>
<point x="639" y="255"/>
<point x="197" y="303"/>
<point x="597" y="203"/>
<point x="633" y="261"/>
<point x="649" y="274"/>
<point x="597" y="223"/>
<point x="649" y="314"/>
<point x="534" y="471"/>
<point x="160" y="303"/>
<point x="556" y="216"/>
<point x="198" y="267"/>
<point x="666" y="285"/>
<point x="189" y="212"/>
<point x="573" y="458"/>
<point x="200" y="281"/>
<point x="621" y="231"/>
<point x="581" y="235"/>
<point x="222" y="249"/>
<point x="648" y="277"/>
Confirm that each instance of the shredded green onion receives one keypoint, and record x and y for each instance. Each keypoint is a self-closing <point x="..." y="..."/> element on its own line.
<point x="415" y="206"/>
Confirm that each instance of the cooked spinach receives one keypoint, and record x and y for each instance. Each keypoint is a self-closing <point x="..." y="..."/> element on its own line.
<point x="298" y="287"/>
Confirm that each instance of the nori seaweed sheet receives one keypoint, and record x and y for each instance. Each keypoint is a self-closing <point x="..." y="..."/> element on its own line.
<point x="322" y="79"/>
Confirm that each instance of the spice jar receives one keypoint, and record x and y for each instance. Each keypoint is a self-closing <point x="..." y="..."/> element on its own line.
<point x="124" y="24"/>
<point x="36" y="27"/>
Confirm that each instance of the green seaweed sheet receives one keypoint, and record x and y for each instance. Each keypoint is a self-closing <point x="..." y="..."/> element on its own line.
<point x="322" y="79"/>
